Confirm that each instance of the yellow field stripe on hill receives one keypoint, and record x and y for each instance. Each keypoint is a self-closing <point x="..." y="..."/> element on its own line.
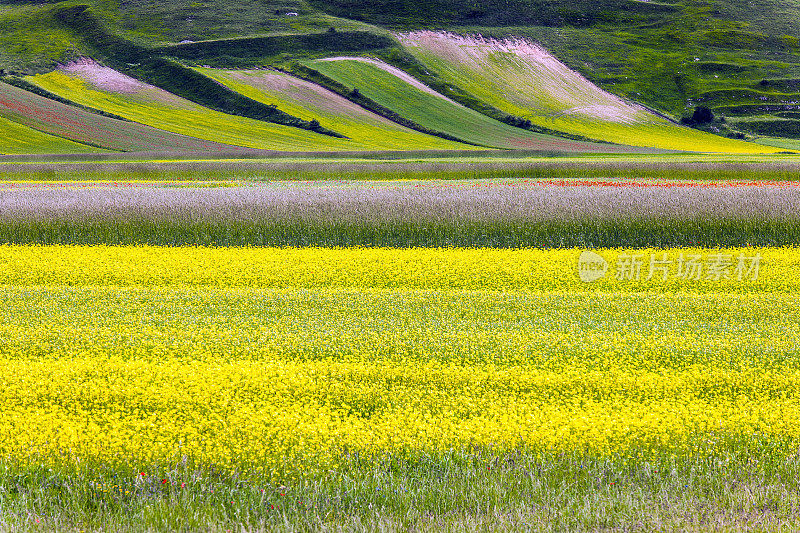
<point x="154" y="107"/>
<point x="19" y="139"/>
<point x="312" y="102"/>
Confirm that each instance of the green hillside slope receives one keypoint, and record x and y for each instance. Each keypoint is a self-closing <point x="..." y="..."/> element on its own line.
<point x="770" y="17"/>
<point x="409" y="98"/>
<point x="116" y="93"/>
<point x="524" y="80"/>
<point x="31" y="39"/>
<point x="672" y="56"/>
<point x="312" y="102"/>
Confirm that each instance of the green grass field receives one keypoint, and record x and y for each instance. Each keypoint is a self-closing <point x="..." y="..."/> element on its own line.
<point x="172" y="21"/>
<point x="777" y="142"/>
<point x="31" y="40"/>
<point x="404" y="165"/>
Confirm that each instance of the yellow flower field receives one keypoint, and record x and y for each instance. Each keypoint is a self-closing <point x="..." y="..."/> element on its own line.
<point x="278" y="361"/>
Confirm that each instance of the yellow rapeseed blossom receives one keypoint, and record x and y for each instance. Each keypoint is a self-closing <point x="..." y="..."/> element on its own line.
<point x="284" y="359"/>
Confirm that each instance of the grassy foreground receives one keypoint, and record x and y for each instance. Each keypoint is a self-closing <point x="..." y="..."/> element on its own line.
<point x="455" y="492"/>
<point x="278" y="389"/>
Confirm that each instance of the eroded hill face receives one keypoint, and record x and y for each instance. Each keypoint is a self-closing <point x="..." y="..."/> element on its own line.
<point x="523" y="79"/>
<point x="523" y="74"/>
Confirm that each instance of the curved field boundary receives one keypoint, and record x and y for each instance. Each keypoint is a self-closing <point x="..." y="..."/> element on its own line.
<point x="397" y="91"/>
<point x="20" y="139"/>
<point x="310" y="101"/>
<point x="523" y="79"/>
<point x="73" y="123"/>
<point x="146" y="104"/>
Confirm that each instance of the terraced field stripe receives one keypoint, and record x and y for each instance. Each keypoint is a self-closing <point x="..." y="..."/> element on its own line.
<point x="114" y="92"/>
<point x="407" y="97"/>
<point x="154" y="107"/>
<point x="551" y="213"/>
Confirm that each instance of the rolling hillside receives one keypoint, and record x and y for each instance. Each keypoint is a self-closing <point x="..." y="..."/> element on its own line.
<point x="493" y="59"/>
<point x="524" y="80"/>
<point x="453" y="13"/>
<point x="20" y="139"/>
<point x="665" y="54"/>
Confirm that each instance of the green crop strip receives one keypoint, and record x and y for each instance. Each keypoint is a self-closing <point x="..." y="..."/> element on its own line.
<point x="435" y="112"/>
